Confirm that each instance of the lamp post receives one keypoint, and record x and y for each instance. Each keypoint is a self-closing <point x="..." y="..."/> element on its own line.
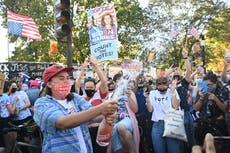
<point x="202" y="44"/>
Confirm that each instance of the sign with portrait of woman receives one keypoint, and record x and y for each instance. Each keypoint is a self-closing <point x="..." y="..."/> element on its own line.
<point x="102" y="25"/>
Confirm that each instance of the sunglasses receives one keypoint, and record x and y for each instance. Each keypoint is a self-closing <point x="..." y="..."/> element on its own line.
<point x="162" y="83"/>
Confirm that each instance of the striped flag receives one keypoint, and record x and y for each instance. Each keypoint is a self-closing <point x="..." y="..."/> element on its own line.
<point x="25" y="78"/>
<point x="192" y="31"/>
<point x="23" y="26"/>
<point x="174" y="33"/>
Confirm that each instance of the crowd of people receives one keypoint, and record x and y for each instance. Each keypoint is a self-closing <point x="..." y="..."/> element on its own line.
<point x="69" y="111"/>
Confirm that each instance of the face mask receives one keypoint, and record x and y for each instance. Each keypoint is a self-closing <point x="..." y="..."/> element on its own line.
<point x="141" y="85"/>
<point x="13" y="90"/>
<point x="111" y="89"/>
<point x="176" y="77"/>
<point x="162" y="90"/>
<point x="150" y="82"/>
<point x="62" y="90"/>
<point x="90" y="93"/>
<point x="211" y="88"/>
<point x="24" y="88"/>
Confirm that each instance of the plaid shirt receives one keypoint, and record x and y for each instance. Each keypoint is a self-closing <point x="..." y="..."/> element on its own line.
<point x="47" y="111"/>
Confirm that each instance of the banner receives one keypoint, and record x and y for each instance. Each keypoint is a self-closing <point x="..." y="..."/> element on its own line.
<point x="131" y="65"/>
<point x="102" y="25"/>
<point x="14" y="69"/>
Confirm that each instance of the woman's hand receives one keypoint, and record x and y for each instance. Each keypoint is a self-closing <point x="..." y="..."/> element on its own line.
<point x="109" y="107"/>
<point x="93" y="60"/>
<point x="174" y="85"/>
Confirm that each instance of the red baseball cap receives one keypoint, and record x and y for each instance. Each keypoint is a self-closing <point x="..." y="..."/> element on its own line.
<point x="34" y="83"/>
<point x="53" y="70"/>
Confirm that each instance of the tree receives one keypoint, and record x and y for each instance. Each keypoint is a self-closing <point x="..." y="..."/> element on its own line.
<point x="42" y="13"/>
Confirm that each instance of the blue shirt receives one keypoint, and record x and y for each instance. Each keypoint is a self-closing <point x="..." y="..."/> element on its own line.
<point x="22" y="96"/>
<point x="141" y="100"/>
<point x="46" y="111"/>
<point x="4" y="100"/>
<point x="33" y="94"/>
<point x="182" y="89"/>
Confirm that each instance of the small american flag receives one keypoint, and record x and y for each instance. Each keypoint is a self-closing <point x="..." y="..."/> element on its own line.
<point x="192" y="31"/>
<point x="22" y="25"/>
<point x="173" y="33"/>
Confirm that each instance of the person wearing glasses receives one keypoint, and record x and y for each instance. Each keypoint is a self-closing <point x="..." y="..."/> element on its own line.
<point x="62" y="115"/>
<point x="157" y="102"/>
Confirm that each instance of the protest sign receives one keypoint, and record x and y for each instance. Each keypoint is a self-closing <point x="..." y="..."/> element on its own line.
<point x="102" y="27"/>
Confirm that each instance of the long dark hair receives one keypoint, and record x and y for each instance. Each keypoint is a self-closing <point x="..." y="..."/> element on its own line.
<point x="103" y="19"/>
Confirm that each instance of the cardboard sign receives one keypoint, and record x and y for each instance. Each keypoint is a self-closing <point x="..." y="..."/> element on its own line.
<point x="2" y="82"/>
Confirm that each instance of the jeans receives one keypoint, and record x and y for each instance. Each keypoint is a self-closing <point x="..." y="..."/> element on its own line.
<point x="115" y="140"/>
<point x="162" y="144"/>
<point x="186" y="147"/>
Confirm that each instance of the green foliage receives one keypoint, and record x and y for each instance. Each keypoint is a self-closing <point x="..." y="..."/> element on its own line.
<point x="140" y="30"/>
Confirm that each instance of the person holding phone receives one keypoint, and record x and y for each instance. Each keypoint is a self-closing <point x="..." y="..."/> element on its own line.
<point x="212" y="106"/>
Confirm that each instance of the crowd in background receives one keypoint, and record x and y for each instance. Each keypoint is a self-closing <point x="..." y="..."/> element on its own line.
<point x="139" y="124"/>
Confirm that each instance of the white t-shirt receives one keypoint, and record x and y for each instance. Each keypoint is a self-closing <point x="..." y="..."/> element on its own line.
<point x="70" y="107"/>
<point x="160" y="103"/>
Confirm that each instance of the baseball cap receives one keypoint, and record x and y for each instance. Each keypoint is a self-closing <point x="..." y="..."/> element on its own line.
<point x="53" y="70"/>
<point x="34" y="83"/>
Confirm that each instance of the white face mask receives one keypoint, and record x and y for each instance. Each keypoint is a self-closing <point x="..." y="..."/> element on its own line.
<point x="24" y="88"/>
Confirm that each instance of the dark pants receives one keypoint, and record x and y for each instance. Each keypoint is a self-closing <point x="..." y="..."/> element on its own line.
<point x="96" y="147"/>
<point x="145" y="127"/>
<point x="216" y="128"/>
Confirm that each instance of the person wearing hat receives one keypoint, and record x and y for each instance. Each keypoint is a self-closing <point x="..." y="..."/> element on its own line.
<point x="62" y="115"/>
<point x="157" y="102"/>
<point x="33" y="93"/>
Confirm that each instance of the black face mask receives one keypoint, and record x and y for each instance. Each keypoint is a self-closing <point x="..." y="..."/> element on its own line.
<point x="150" y="82"/>
<point x="13" y="90"/>
<point x="111" y="89"/>
<point x="90" y="93"/>
<point x="141" y="85"/>
<point x="177" y="77"/>
<point x="162" y="90"/>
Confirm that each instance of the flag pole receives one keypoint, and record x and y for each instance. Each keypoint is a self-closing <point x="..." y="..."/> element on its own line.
<point x="8" y="45"/>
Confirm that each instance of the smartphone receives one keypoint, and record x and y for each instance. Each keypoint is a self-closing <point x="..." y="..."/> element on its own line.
<point x="203" y="85"/>
<point x="222" y="144"/>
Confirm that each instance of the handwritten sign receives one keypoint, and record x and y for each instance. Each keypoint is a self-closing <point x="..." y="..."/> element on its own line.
<point x="12" y="69"/>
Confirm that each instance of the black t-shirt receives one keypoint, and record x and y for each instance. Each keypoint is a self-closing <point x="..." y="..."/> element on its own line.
<point x="183" y="89"/>
<point x="209" y="108"/>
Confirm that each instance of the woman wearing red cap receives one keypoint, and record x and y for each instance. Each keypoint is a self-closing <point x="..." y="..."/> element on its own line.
<point x="62" y="115"/>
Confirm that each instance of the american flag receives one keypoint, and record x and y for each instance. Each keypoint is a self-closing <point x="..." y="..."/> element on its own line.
<point x="192" y="31"/>
<point x="174" y="33"/>
<point x="22" y="25"/>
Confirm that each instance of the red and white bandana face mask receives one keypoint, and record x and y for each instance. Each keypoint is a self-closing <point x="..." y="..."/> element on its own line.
<point x="62" y="90"/>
